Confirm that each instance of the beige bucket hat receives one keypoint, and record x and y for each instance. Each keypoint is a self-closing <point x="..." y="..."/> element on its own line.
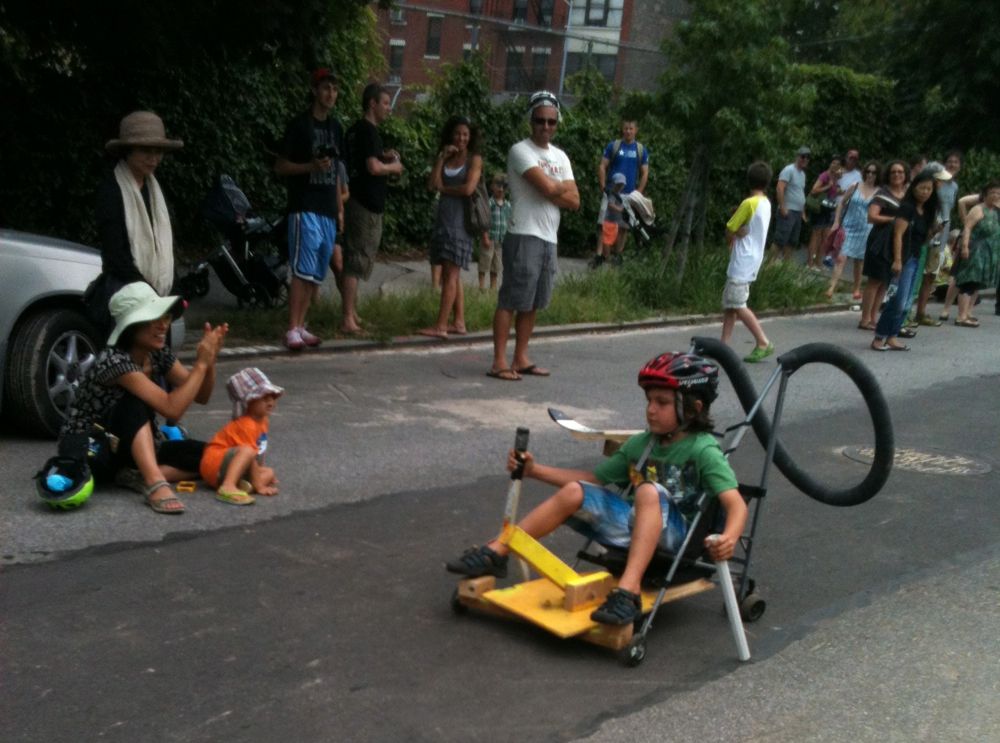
<point x="142" y="129"/>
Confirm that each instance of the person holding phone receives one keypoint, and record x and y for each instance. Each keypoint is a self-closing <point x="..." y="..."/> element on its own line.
<point x="313" y="143"/>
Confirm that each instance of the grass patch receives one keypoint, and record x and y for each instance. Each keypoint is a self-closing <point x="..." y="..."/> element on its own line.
<point x="644" y="287"/>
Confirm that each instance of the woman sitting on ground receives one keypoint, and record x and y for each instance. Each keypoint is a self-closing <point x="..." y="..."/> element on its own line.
<point x="120" y="395"/>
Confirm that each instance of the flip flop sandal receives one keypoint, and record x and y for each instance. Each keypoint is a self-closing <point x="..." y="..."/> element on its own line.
<point x="900" y="347"/>
<point x="235" y="497"/>
<point x="504" y="375"/>
<point x="869" y="328"/>
<point x="966" y="324"/>
<point x="875" y="346"/>
<point x="907" y="333"/>
<point x="160" y="505"/>
<point x="433" y="333"/>
<point x="534" y="371"/>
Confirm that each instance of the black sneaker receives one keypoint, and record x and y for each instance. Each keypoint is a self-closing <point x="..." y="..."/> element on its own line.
<point x="597" y="261"/>
<point x="621" y="607"/>
<point x="478" y="561"/>
<point x="616" y="260"/>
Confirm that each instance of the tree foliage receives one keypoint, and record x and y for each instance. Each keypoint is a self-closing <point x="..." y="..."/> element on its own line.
<point x="224" y="76"/>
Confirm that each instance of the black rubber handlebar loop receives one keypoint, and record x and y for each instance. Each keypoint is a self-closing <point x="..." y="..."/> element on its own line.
<point x="790" y="362"/>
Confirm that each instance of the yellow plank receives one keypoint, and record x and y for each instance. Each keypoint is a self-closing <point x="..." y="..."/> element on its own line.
<point x="542" y="560"/>
<point x="541" y="603"/>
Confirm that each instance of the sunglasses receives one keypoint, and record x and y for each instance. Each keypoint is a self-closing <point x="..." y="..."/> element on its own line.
<point x="544" y="122"/>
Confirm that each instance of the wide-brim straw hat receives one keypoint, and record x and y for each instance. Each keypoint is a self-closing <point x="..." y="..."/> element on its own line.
<point x="142" y="129"/>
<point x="137" y="303"/>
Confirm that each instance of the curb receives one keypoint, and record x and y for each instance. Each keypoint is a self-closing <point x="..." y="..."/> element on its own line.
<point x="347" y="345"/>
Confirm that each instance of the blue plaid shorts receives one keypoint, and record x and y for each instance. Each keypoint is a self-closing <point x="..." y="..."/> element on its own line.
<point x="607" y="518"/>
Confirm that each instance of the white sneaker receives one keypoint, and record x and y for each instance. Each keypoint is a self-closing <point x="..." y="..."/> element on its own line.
<point x="293" y="340"/>
<point x="308" y="338"/>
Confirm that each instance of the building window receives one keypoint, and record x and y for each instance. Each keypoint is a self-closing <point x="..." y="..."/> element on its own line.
<point x="397" y="49"/>
<point x="476" y="7"/>
<point x="596" y="13"/>
<point x="545" y="12"/>
<point x="466" y="52"/>
<point x="606" y="64"/>
<point x="520" y="11"/>
<point x="514" y="79"/>
<point x="539" y="67"/>
<point x="397" y="16"/>
<point x="433" y="36"/>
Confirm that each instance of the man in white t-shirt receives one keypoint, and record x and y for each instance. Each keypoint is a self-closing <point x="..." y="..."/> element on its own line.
<point x="541" y="183"/>
<point x="790" y="193"/>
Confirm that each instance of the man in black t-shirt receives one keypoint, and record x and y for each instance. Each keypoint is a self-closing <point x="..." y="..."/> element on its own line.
<point x="369" y="165"/>
<point x="313" y="144"/>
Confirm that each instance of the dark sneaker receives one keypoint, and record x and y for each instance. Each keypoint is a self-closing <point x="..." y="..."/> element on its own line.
<point x="616" y="260"/>
<point x="597" y="261"/>
<point x="621" y="607"/>
<point x="479" y="561"/>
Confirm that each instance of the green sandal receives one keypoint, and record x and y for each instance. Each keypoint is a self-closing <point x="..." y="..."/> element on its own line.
<point x="235" y="497"/>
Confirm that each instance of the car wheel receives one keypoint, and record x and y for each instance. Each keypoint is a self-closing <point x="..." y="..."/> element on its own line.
<point x="50" y="353"/>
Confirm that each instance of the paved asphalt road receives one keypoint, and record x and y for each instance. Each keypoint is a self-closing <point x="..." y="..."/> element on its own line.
<point x="322" y="614"/>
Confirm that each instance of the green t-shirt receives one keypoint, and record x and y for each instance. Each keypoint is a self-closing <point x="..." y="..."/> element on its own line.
<point x="685" y="468"/>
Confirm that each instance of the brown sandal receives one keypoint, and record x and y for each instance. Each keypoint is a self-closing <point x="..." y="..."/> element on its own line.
<point x="161" y="504"/>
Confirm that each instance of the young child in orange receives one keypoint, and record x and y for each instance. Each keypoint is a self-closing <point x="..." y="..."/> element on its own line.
<point x="237" y="451"/>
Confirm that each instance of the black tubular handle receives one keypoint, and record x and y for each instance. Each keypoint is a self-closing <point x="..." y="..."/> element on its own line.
<point x="811" y="353"/>
<point x="520" y="447"/>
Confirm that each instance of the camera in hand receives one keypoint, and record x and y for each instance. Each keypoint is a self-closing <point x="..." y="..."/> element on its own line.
<point x="326" y="151"/>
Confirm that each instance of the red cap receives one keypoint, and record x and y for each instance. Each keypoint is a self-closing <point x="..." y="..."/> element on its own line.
<point x="323" y="73"/>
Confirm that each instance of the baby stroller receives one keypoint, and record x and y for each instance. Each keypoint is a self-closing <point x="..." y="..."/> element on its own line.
<point x="255" y="275"/>
<point x="639" y="216"/>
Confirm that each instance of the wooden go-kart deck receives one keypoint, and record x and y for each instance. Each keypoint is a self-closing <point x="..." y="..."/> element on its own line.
<point x="544" y="604"/>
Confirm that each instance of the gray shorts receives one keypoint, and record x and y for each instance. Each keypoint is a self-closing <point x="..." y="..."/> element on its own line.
<point x="735" y="295"/>
<point x="364" y="235"/>
<point x="529" y="272"/>
<point x="787" y="229"/>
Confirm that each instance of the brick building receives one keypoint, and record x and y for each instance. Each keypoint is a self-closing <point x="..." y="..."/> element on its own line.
<point x="529" y="44"/>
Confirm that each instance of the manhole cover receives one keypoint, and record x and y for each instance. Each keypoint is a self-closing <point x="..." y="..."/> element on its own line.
<point x="928" y="462"/>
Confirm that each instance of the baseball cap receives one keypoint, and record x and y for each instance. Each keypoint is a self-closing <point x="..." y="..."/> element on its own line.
<point x="937" y="170"/>
<point x="320" y="74"/>
<point x="619" y="178"/>
<point x="804" y="151"/>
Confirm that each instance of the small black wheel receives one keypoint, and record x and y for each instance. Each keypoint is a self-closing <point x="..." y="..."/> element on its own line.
<point x="752" y="607"/>
<point x="635" y="652"/>
<point x="457" y="606"/>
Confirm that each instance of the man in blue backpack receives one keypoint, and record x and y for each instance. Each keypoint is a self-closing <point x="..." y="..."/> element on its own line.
<point x="630" y="158"/>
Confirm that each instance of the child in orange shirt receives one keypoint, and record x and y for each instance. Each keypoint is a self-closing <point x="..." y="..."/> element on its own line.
<point x="237" y="451"/>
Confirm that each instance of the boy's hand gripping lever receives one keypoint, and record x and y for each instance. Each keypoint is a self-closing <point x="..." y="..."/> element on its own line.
<point x="514" y="493"/>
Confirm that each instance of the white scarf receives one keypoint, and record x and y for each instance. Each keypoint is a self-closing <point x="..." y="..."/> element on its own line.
<point x="152" y="244"/>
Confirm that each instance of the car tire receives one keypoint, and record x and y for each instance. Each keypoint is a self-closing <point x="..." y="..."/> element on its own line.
<point x="48" y="356"/>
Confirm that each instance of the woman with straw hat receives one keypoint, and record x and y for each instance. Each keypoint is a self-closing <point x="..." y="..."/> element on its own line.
<point x="121" y="394"/>
<point x="133" y="223"/>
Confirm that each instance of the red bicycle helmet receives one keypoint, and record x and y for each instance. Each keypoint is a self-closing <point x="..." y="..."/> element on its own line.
<point x="686" y="372"/>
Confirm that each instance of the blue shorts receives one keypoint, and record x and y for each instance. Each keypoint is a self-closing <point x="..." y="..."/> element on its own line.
<point x="607" y="518"/>
<point x="311" y="241"/>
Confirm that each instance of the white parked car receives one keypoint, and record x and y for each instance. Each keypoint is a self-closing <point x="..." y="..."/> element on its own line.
<point x="46" y="341"/>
